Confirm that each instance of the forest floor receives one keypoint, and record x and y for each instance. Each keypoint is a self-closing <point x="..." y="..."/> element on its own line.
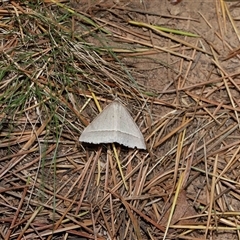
<point x="176" y="68"/>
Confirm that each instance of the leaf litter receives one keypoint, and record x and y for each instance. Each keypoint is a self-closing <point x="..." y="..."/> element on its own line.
<point x="61" y="59"/>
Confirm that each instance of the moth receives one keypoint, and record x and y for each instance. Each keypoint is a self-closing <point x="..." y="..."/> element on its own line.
<point x="114" y="124"/>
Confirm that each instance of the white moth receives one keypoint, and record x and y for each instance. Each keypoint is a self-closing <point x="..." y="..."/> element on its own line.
<point x="114" y="124"/>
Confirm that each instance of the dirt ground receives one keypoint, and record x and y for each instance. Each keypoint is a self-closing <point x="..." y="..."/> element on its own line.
<point x="184" y="92"/>
<point x="166" y="74"/>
